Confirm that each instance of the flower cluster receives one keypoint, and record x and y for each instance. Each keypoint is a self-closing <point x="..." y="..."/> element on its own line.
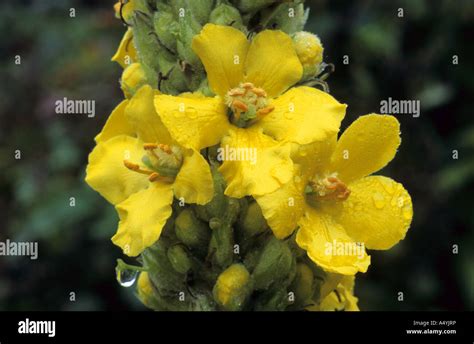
<point x="237" y="191"/>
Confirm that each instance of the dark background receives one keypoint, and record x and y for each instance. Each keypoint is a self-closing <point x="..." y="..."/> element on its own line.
<point x="409" y="57"/>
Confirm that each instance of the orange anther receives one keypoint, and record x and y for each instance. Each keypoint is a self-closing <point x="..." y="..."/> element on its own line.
<point x="150" y="146"/>
<point x="240" y="105"/>
<point x="236" y="92"/>
<point x="265" y="110"/>
<point x="165" y="148"/>
<point x="154" y="176"/>
<point x="259" y="92"/>
<point x="247" y="85"/>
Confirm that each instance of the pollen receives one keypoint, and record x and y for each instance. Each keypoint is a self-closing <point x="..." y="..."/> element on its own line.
<point x="136" y="168"/>
<point x="248" y="103"/>
<point x="330" y="188"/>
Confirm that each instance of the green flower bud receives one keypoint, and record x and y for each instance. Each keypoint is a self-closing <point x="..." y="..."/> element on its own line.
<point x="309" y="49"/>
<point x="166" y="28"/>
<point x="226" y="15"/>
<point x="191" y="231"/>
<point x="160" y="271"/>
<point x="198" y="9"/>
<point x="133" y="77"/>
<point x="233" y="287"/>
<point x="179" y="259"/>
<point x="247" y="6"/>
<point x="188" y="28"/>
<point x="252" y="221"/>
<point x="288" y="17"/>
<point x="217" y="206"/>
<point x="222" y="243"/>
<point x="272" y="300"/>
<point x="303" y="286"/>
<point x="274" y="265"/>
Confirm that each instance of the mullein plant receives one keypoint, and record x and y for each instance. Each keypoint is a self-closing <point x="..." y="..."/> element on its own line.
<point x="225" y="167"/>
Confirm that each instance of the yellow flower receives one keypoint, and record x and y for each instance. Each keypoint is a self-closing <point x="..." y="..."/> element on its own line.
<point x="340" y="296"/>
<point x="341" y="210"/>
<point x="138" y="167"/>
<point x="308" y="48"/>
<point x="251" y="112"/>
<point x="126" y="53"/>
<point x="144" y="288"/>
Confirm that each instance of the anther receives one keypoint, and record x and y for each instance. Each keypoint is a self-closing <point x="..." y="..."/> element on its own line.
<point x="240" y="105"/>
<point x="265" y="110"/>
<point x="136" y="168"/>
<point x="154" y="176"/>
<point x="150" y="146"/>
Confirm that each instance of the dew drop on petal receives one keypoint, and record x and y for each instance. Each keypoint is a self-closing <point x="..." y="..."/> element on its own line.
<point x="379" y="200"/>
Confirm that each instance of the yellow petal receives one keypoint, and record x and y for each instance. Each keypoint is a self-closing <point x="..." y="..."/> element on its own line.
<point x="126" y="53"/>
<point x="328" y="245"/>
<point x="253" y="163"/>
<point x="117" y="124"/>
<point x="222" y="50"/>
<point x="106" y="172"/>
<point x="303" y="115"/>
<point x="142" y="217"/>
<point x="142" y="115"/>
<point x="314" y="157"/>
<point x="377" y="213"/>
<point x="193" y="122"/>
<point x="284" y="207"/>
<point x="272" y="63"/>
<point x="194" y="182"/>
<point x="366" y="146"/>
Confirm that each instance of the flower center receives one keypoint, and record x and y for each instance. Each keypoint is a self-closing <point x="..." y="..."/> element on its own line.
<point x="248" y="104"/>
<point x="328" y="187"/>
<point x="162" y="162"/>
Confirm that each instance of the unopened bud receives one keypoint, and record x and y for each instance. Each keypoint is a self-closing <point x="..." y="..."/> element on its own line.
<point x="179" y="259"/>
<point x="233" y="287"/>
<point x="274" y="264"/>
<point x="252" y="221"/>
<point x="309" y="49"/>
<point x="191" y="231"/>
<point x="247" y="6"/>
<point x="133" y="77"/>
<point x="145" y="289"/>
<point x="303" y="285"/>
<point x="166" y="28"/>
<point x="225" y="14"/>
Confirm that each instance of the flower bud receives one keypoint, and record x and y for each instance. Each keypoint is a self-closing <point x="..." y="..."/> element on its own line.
<point x="252" y="221"/>
<point x="191" y="231"/>
<point x="145" y="289"/>
<point x="225" y="14"/>
<point x="309" y="49"/>
<point x="289" y="17"/>
<point x="179" y="259"/>
<point x="222" y="243"/>
<point x="247" y="6"/>
<point x="274" y="265"/>
<point x="166" y="28"/>
<point x="233" y="287"/>
<point x="303" y="285"/>
<point x="133" y="77"/>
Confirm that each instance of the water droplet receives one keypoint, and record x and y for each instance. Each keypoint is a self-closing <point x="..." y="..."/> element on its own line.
<point x="379" y="200"/>
<point x="126" y="275"/>
<point x="387" y="185"/>
<point x="288" y="115"/>
<point x="127" y="278"/>
<point x="407" y="213"/>
<point x="192" y="113"/>
<point x="400" y="202"/>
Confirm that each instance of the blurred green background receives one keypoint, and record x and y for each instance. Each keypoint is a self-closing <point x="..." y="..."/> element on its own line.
<point x="407" y="57"/>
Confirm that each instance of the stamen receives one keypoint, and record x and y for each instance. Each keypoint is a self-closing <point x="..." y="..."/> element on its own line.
<point x="136" y="168"/>
<point x="247" y="85"/>
<point x="265" y="110"/>
<point x="240" y="105"/>
<point x="154" y="176"/>
<point x="259" y="92"/>
<point x="165" y="148"/>
<point x="150" y="146"/>
<point x="330" y="187"/>
<point x="236" y="92"/>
